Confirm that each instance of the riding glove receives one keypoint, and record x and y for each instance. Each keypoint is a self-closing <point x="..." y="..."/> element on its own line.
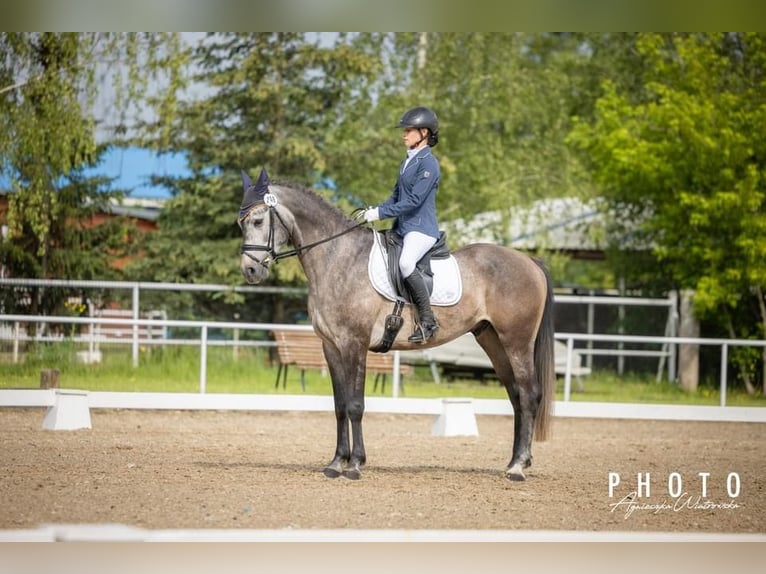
<point x="371" y="214"/>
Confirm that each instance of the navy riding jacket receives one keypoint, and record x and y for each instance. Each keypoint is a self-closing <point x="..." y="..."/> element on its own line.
<point x="413" y="201"/>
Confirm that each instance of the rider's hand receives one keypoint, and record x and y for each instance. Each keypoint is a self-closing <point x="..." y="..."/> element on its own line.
<point x="371" y="214"/>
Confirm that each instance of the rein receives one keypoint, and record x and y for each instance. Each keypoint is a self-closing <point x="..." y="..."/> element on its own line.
<point x="270" y="248"/>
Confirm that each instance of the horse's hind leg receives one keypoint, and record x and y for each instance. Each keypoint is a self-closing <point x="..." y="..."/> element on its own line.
<point x="515" y="369"/>
<point x="525" y="400"/>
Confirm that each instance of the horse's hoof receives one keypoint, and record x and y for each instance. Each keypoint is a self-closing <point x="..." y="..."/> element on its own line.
<point x="515" y="473"/>
<point x="331" y="472"/>
<point x="352" y="473"/>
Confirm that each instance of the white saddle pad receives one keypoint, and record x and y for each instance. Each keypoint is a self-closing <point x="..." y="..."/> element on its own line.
<point x="448" y="285"/>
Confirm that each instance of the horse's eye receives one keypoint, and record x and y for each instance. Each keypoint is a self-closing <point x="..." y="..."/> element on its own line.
<point x="257" y="222"/>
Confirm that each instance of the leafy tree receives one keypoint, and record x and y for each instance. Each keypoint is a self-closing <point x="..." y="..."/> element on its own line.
<point x="48" y="83"/>
<point x="687" y="161"/>
<point x="306" y="110"/>
<point x="503" y="112"/>
<point x="363" y="148"/>
<point x="272" y="100"/>
<point x="504" y="118"/>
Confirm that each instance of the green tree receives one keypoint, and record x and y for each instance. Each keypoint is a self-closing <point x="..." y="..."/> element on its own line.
<point x="364" y="147"/>
<point x="272" y="100"/>
<point x="48" y="138"/>
<point x="687" y="163"/>
<point x="503" y="111"/>
<point x="505" y="118"/>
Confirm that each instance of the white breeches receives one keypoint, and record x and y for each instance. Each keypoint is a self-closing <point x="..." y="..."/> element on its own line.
<point x="415" y="245"/>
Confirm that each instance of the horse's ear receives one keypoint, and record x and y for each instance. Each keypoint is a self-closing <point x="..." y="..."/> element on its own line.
<point x="246" y="181"/>
<point x="254" y="193"/>
<point x="262" y="185"/>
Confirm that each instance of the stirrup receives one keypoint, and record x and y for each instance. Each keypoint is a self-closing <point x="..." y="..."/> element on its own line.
<point x="423" y="333"/>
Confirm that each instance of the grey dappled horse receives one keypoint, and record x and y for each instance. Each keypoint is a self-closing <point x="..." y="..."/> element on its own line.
<point x="506" y="303"/>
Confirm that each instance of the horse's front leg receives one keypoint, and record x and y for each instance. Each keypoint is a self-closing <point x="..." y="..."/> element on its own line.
<point x="347" y="371"/>
<point x="342" y="448"/>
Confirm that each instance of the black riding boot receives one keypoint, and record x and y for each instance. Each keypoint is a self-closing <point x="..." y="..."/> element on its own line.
<point x="427" y="325"/>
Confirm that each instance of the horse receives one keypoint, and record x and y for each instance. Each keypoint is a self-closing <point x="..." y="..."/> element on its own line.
<point x="507" y="303"/>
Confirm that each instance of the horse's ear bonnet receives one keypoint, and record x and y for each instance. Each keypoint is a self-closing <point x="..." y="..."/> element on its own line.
<point x="254" y="192"/>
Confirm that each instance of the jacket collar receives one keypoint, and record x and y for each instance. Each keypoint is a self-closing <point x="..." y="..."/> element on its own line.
<point x="422" y="152"/>
<point x="418" y="155"/>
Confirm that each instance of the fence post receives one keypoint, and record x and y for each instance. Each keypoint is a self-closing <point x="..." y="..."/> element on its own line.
<point x="91" y="332"/>
<point x="16" y="335"/>
<point x="568" y="372"/>
<point x="591" y="330"/>
<point x="203" y="360"/>
<point x="621" y="329"/>
<point x="49" y="378"/>
<point x="724" y="361"/>
<point x="135" y="325"/>
<point x="396" y="376"/>
<point x="688" y="356"/>
<point x="673" y="321"/>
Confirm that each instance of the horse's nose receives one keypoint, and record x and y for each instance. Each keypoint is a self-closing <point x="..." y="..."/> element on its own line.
<point x="254" y="271"/>
<point x="249" y="273"/>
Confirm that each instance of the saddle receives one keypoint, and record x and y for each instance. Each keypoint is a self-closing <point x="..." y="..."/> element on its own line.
<point x="394" y="243"/>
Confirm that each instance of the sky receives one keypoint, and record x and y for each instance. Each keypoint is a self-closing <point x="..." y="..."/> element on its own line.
<point x="132" y="169"/>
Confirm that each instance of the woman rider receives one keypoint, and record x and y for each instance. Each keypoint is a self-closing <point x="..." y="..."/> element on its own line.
<point x="413" y="205"/>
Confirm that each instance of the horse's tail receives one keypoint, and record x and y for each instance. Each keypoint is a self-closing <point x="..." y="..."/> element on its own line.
<point x="545" y="361"/>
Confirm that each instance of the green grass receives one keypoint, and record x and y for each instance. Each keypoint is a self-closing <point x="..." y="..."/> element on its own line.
<point x="176" y="369"/>
<point x="609" y="387"/>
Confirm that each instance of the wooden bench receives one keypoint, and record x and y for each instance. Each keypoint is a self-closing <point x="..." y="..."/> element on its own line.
<point x="125" y="330"/>
<point x="303" y="349"/>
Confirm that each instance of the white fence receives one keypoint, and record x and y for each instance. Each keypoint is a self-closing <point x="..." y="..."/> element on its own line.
<point x="204" y="342"/>
<point x="666" y="356"/>
<point x="667" y="353"/>
<point x="135" y="288"/>
<point x="724" y="344"/>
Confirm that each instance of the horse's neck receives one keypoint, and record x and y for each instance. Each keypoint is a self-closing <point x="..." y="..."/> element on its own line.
<point x="314" y="219"/>
<point x="315" y="222"/>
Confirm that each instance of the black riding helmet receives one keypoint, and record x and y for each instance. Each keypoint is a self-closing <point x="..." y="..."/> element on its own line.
<point x="422" y="117"/>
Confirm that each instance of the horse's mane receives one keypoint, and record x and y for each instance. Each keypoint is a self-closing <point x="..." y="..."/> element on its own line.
<point x="316" y="200"/>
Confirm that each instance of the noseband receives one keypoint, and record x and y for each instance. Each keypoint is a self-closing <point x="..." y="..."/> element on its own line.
<point x="270" y="247"/>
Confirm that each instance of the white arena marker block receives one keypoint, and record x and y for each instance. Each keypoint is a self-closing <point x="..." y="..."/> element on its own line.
<point x="457" y="419"/>
<point x="70" y="411"/>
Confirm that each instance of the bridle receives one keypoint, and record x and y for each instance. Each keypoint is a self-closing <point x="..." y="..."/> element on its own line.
<point x="270" y="247"/>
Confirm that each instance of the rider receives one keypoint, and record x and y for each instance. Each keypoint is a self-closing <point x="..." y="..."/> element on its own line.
<point x="413" y="204"/>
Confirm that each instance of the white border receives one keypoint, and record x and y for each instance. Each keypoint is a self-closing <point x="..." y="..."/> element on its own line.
<point x="124" y="533"/>
<point x="221" y="401"/>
